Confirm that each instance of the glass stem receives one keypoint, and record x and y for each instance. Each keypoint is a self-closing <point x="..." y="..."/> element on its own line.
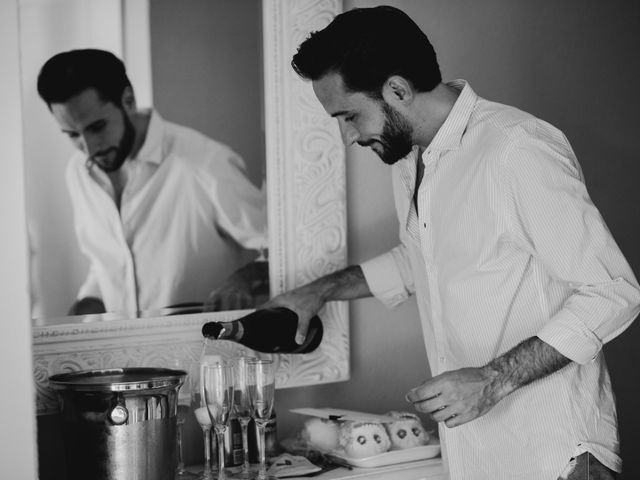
<point x="261" y="449"/>
<point x="244" y="422"/>
<point x="180" y="468"/>
<point x="220" y="436"/>
<point x="207" y="450"/>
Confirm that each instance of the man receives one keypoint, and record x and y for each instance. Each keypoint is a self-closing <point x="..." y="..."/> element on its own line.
<point x="163" y="213"/>
<point x="518" y="281"/>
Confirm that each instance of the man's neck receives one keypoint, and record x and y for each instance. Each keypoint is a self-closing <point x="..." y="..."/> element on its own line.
<point x="432" y="111"/>
<point x="119" y="178"/>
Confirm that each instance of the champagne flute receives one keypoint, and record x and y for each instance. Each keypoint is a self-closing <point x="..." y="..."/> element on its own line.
<point x="217" y="381"/>
<point x="261" y="388"/>
<point x="242" y="409"/>
<point x="202" y="416"/>
<point x="184" y="405"/>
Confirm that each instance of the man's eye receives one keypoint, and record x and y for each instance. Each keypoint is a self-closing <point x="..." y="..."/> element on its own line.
<point x="349" y="118"/>
<point x="97" y="127"/>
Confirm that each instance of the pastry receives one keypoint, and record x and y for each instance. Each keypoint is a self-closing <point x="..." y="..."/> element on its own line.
<point x="407" y="431"/>
<point x="363" y="439"/>
<point x="320" y="434"/>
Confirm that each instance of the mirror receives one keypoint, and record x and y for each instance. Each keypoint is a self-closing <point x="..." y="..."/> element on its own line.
<point x="190" y="77"/>
<point x="305" y="174"/>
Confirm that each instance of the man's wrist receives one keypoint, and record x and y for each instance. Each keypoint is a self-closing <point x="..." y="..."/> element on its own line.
<point x="499" y="384"/>
<point x="528" y="361"/>
<point x="346" y="284"/>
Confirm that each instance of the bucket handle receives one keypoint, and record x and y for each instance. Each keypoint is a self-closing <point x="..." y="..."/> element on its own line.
<point x="118" y="413"/>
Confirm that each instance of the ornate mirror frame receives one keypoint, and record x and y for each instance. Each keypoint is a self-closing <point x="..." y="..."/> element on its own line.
<point x="307" y="230"/>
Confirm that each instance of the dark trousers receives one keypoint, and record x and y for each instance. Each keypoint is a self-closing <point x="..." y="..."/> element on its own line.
<point x="587" y="467"/>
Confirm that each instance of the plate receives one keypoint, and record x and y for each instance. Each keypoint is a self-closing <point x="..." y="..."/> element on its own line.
<point x="391" y="457"/>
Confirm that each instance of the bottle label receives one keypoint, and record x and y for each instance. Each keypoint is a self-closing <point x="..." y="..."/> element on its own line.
<point x="233" y="444"/>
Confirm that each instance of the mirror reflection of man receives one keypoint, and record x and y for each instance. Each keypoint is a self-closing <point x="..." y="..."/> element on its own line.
<point x="165" y="215"/>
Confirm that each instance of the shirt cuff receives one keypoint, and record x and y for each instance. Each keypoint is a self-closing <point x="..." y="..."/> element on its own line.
<point x="384" y="280"/>
<point x="570" y="336"/>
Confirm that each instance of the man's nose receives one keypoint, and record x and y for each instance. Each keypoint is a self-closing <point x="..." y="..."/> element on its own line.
<point x="349" y="135"/>
<point x="89" y="144"/>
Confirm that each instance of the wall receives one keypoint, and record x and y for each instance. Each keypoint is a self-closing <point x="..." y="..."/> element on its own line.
<point x="572" y="63"/>
<point x="206" y="61"/>
<point x="17" y="436"/>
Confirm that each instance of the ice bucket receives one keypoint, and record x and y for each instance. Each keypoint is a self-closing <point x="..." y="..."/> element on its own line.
<point x="119" y="423"/>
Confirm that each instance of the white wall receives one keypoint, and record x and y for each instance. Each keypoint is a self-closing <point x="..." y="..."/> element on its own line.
<point x="17" y="435"/>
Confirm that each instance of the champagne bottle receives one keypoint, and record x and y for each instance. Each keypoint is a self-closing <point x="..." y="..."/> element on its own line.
<point x="270" y="330"/>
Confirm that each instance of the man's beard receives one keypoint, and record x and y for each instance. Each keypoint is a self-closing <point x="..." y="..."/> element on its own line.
<point x="121" y="152"/>
<point x="395" y="140"/>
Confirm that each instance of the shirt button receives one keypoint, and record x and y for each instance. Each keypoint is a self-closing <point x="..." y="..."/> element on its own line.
<point x="442" y="360"/>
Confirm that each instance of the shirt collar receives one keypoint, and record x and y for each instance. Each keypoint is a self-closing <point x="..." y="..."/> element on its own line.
<point x="151" y="150"/>
<point x="450" y="133"/>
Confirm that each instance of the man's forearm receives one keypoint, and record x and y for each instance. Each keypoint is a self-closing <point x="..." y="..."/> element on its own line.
<point x="346" y="284"/>
<point x="530" y="360"/>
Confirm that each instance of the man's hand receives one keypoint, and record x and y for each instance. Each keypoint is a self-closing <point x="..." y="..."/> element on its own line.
<point x="306" y="301"/>
<point x="87" y="306"/>
<point x="459" y="396"/>
<point x="241" y="289"/>
<point x="456" y="397"/>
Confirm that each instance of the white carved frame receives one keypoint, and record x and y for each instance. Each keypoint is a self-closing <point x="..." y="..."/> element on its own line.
<point x="307" y="228"/>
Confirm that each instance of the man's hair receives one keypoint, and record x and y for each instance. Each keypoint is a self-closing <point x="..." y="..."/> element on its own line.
<point x="366" y="46"/>
<point x="69" y="73"/>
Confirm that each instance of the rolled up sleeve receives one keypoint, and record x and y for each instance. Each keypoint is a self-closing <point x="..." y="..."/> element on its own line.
<point x="554" y="219"/>
<point x="389" y="277"/>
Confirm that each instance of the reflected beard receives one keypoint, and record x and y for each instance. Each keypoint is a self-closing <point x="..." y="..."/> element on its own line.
<point x="121" y="152"/>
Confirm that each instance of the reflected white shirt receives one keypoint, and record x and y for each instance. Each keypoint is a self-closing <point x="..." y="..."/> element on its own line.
<point x="507" y="245"/>
<point x="188" y="215"/>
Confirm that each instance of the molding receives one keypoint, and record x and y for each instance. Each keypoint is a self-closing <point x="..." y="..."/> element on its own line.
<point x="307" y="235"/>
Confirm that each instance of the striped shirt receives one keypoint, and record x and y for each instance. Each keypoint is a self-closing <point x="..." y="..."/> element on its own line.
<point x="506" y="244"/>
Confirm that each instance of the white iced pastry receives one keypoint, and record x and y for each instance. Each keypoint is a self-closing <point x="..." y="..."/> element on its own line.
<point x="407" y="431"/>
<point x="363" y="439"/>
<point x="320" y="434"/>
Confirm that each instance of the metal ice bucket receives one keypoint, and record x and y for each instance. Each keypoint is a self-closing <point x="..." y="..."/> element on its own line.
<point x="120" y="424"/>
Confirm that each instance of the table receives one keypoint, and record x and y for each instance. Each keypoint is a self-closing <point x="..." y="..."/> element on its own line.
<point x="431" y="469"/>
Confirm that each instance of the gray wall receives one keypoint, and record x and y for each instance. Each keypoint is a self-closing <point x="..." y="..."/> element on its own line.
<point x="206" y="60"/>
<point x="573" y="63"/>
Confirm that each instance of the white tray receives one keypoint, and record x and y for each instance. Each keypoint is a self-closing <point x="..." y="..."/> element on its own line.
<point x="391" y="457"/>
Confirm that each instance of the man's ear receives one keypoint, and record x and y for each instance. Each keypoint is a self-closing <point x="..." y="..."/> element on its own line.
<point x="128" y="100"/>
<point x="397" y="90"/>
